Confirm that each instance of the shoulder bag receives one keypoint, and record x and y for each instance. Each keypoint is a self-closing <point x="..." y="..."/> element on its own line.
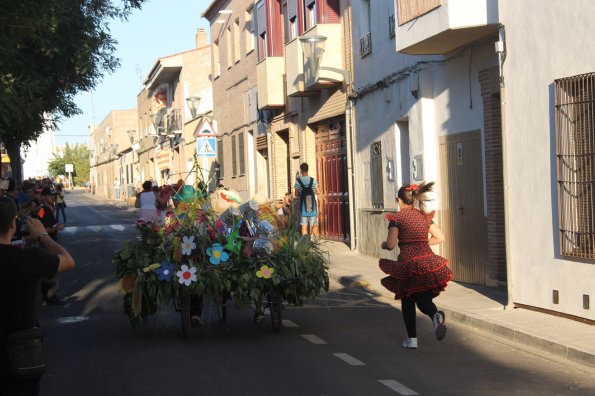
<point x="25" y="353"/>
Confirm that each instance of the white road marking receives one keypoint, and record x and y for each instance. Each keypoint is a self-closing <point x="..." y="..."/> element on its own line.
<point x="98" y="228"/>
<point x="289" y="323"/>
<point x="398" y="387"/>
<point x="314" y="339"/>
<point x="349" y="359"/>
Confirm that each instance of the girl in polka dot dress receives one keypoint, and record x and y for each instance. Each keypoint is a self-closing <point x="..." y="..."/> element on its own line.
<point x="418" y="275"/>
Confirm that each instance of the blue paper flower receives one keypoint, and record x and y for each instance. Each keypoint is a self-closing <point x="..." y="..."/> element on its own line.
<point x="217" y="254"/>
<point x="166" y="271"/>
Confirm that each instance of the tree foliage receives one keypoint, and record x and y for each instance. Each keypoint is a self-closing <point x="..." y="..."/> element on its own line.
<point x="78" y="155"/>
<point x="49" y="51"/>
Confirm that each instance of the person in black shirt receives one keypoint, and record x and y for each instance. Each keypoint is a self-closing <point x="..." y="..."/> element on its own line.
<point x="46" y="214"/>
<point x="22" y="269"/>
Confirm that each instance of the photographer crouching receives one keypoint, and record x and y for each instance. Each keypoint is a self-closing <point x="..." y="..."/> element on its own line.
<point x="21" y="353"/>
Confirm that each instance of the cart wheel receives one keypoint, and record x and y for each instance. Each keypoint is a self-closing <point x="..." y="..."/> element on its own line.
<point x="276" y="308"/>
<point x="184" y="309"/>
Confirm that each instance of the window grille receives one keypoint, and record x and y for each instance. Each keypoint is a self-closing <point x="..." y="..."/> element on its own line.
<point x="365" y="44"/>
<point x="391" y="26"/>
<point x="574" y="102"/>
<point x="376" y="175"/>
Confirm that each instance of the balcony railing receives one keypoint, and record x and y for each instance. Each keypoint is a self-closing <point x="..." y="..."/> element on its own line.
<point x="365" y="44"/>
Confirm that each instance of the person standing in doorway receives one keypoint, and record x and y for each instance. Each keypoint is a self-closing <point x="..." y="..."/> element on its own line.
<point x="305" y="188"/>
<point x="418" y="275"/>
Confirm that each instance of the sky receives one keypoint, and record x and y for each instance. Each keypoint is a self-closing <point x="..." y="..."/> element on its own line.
<point x="160" y="28"/>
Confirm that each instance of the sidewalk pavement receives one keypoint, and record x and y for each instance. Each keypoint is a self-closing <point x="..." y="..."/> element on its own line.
<point x="479" y="307"/>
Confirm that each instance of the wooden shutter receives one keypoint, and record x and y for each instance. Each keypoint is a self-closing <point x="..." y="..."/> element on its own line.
<point x="241" y="153"/>
<point x="220" y="158"/>
<point x="234" y="163"/>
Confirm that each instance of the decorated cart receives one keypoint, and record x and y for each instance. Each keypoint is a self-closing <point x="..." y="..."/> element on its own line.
<point x="218" y="249"/>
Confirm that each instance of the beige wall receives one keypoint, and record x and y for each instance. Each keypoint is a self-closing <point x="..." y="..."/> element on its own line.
<point x="231" y="92"/>
<point x="109" y="142"/>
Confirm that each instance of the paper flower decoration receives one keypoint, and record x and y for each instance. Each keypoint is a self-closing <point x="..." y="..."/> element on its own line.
<point x="151" y="267"/>
<point x="217" y="254"/>
<point x="234" y="243"/>
<point x="188" y="245"/>
<point x="127" y="283"/>
<point x="265" y="272"/>
<point x="186" y="275"/>
<point x="166" y="271"/>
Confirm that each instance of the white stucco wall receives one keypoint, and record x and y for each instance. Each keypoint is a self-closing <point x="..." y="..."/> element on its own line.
<point x="38" y="156"/>
<point x="555" y="46"/>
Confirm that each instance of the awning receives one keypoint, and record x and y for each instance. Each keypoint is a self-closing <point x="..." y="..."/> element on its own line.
<point x="5" y="159"/>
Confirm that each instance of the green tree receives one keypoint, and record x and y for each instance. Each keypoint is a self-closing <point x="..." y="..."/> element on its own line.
<point x="51" y="50"/>
<point x="78" y="156"/>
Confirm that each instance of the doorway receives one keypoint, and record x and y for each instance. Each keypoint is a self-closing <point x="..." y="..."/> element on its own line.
<point x="463" y="219"/>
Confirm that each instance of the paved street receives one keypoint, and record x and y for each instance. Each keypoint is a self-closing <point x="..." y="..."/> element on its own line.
<point x="344" y="343"/>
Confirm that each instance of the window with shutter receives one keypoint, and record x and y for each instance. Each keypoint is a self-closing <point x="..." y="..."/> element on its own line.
<point x="241" y="153"/>
<point x="234" y="163"/>
<point x="309" y="13"/>
<point x="236" y="40"/>
<point x="221" y="173"/>
<point x="229" y="45"/>
<point x="249" y="30"/>
<point x="376" y="175"/>
<point x="261" y="26"/>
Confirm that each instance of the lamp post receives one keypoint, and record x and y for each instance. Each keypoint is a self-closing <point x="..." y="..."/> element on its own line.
<point x="131" y="135"/>
<point x="313" y="47"/>
<point x="193" y="102"/>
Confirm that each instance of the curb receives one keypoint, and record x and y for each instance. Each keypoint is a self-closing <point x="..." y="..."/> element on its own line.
<point x="496" y="329"/>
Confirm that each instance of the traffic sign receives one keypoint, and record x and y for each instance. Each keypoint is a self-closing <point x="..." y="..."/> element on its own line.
<point x="204" y="129"/>
<point x="206" y="147"/>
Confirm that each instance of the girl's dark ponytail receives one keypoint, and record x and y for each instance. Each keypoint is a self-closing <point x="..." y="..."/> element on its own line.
<point x="415" y="195"/>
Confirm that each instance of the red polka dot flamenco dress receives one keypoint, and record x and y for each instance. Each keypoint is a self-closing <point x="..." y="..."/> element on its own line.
<point x="417" y="268"/>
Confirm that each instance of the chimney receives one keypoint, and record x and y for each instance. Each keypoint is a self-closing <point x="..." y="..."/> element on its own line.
<point x="201" y="38"/>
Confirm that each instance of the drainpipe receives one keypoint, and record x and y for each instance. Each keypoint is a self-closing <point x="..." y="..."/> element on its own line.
<point x="501" y="51"/>
<point x="351" y="174"/>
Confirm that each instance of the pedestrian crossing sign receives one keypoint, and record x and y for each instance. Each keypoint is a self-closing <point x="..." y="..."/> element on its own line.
<point x="204" y="129"/>
<point x="206" y="147"/>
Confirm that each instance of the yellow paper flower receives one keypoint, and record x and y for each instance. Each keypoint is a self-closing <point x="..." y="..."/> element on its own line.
<point x="126" y="283"/>
<point x="151" y="267"/>
<point x="265" y="272"/>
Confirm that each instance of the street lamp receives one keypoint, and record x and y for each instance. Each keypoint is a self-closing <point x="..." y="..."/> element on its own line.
<point x="131" y="133"/>
<point x="193" y="102"/>
<point x="313" y="47"/>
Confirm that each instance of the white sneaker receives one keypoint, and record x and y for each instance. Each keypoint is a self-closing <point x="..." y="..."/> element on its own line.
<point x="439" y="326"/>
<point x="409" y="343"/>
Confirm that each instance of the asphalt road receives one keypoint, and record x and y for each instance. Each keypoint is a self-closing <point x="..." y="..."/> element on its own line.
<point x="345" y="343"/>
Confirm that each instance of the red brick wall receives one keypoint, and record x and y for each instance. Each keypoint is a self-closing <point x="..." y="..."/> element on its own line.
<point x="490" y="91"/>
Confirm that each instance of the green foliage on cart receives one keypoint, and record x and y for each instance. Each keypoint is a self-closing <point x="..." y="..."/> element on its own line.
<point x="196" y="254"/>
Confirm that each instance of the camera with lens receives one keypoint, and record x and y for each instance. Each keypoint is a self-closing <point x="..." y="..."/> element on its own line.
<point x="23" y="228"/>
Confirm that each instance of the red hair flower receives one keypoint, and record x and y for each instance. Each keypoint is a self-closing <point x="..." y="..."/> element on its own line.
<point x="412" y="187"/>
